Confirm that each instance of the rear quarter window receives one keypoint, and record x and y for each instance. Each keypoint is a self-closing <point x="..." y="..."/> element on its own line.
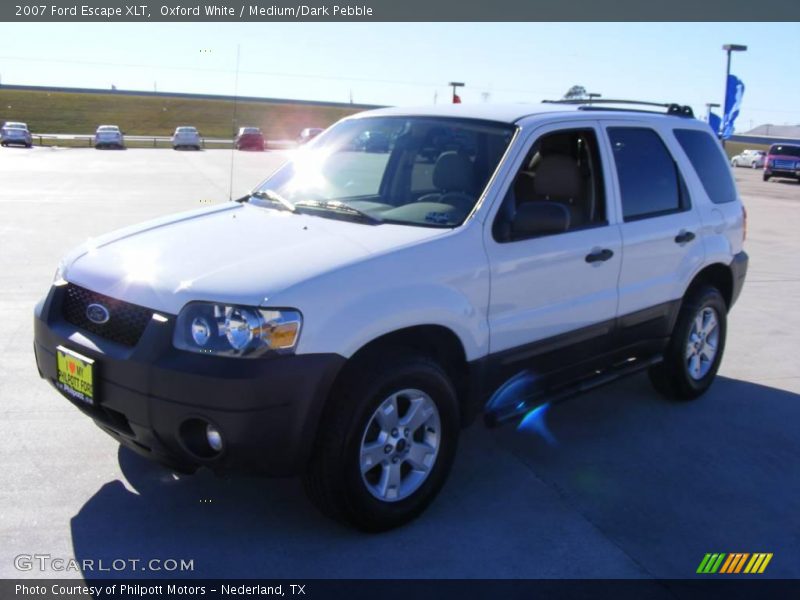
<point x="709" y="163"/>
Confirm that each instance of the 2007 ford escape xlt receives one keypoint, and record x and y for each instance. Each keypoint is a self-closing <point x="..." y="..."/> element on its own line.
<point x="365" y="302"/>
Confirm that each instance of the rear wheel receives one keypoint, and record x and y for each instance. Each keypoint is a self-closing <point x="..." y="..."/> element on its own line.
<point x="695" y="348"/>
<point x="765" y="177"/>
<point x="386" y="443"/>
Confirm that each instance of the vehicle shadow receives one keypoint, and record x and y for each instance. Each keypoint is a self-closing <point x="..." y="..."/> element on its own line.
<point x="625" y="484"/>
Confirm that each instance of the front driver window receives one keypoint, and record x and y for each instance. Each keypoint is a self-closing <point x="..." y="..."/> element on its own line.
<point x="561" y="172"/>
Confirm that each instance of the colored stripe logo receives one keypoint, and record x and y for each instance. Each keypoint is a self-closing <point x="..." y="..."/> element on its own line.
<point x="733" y="563"/>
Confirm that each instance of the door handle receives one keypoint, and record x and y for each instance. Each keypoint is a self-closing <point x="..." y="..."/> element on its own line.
<point x="599" y="255"/>
<point x="684" y="236"/>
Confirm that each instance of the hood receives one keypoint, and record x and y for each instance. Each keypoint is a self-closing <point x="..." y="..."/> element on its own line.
<point x="234" y="253"/>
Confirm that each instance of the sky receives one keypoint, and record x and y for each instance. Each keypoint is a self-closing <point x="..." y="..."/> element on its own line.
<point x="411" y="63"/>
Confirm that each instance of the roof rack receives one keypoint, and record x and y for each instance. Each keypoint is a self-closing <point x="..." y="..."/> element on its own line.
<point x="673" y="109"/>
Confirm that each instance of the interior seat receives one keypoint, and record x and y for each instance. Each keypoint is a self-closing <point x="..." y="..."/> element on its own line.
<point x="454" y="179"/>
<point x="558" y="179"/>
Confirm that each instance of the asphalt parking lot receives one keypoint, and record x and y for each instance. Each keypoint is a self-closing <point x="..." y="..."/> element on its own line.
<point x="629" y="486"/>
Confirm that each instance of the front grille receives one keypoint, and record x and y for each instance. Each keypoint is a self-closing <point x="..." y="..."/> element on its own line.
<point x="126" y="321"/>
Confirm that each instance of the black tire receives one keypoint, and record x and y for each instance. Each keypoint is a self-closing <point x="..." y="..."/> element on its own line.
<point x="333" y="480"/>
<point x="672" y="377"/>
<point x="765" y="177"/>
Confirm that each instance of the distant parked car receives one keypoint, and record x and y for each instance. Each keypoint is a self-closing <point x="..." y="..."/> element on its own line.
<point x="108" y="136"/>
<point x="15" y="133"/>
<point x="372" y="141"/>
<point x="308" y="134"/>
<point x="186" y="137"/>
<point x="783" y="160"/>
<point x="249" y="138"/>
<point x="750" y="158"/>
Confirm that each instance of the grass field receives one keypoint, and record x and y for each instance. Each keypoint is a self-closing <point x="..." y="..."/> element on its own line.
<point x="734" y="148"/>
<point x="68" y="112"/>
<point x="81" y="113"/>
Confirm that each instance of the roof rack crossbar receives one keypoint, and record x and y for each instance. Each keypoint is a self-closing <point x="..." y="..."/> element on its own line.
<point x="596" y="104"/>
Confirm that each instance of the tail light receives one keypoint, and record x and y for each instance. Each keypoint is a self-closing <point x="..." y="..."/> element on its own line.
<point x="744" y="223"/>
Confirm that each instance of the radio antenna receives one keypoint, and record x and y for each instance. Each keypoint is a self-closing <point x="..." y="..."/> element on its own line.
<point x="234" y="121"/>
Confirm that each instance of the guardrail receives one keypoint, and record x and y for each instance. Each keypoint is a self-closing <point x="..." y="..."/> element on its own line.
<point x="164" y="140"/>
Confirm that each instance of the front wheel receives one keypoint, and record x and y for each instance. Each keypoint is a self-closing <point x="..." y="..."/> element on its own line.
<point x="386" y="443"/>
<point x="695" y="348"/>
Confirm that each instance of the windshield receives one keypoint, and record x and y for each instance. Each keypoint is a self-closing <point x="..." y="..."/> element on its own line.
<point x="785" y="150"/>
<point x="15" y="126"/>
<point x="113" y="128"/>
<point x="186" y="130"/>
<point x="410" y="170"/>
<point x="245" y="130"/>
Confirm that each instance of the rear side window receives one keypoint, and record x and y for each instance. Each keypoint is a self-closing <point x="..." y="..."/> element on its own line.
<point x="649" y="182"/>
<point x="709" y="163"/>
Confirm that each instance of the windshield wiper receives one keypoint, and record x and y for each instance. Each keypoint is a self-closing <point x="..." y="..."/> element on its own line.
<point x="340" y="207"/>
<point x="274" y="196"/>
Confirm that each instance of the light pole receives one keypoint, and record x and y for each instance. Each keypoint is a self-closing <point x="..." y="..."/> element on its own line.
<point x="454" y="85"/>
<point x="729" y="48"/>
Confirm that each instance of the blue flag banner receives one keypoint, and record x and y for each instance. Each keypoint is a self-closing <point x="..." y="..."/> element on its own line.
<point x="733" y="102"/>
<point x="715" y="122"/>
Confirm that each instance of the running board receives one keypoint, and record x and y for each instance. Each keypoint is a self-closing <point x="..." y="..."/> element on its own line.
<point x="504" y="414"/>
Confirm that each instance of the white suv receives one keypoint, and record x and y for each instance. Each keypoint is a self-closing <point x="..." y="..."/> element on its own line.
<point x="348" y="317"/>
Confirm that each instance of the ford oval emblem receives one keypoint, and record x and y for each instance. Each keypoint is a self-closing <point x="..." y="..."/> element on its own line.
<point x="97" y="313"/>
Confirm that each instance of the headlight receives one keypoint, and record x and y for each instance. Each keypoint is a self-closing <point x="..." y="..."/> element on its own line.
<point x="236" y="330"/>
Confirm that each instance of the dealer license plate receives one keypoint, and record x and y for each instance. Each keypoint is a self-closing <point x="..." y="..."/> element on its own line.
<point x="75" y="375"/>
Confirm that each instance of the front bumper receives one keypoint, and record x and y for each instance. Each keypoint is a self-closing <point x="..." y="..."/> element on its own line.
<point x="267" y="409"/>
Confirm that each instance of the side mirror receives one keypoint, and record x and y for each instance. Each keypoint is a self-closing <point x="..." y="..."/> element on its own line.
<point x="539" y="218"/>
